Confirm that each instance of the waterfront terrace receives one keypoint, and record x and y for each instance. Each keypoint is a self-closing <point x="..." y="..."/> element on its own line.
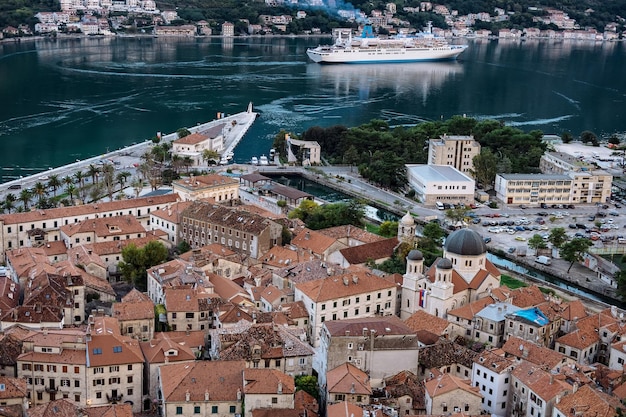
<point x="17" y="229"/>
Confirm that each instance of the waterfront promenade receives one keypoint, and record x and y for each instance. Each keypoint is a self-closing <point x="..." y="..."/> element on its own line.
<point x="128" y="158"/>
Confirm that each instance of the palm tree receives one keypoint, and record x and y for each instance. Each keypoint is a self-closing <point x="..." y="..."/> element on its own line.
<point x="25" y="197"/>
<point x="188" y="163"/>
<point x="54" y="182"/>
<point x="137" y="185"/>
<point x="93" y="171"/>
<point x="68" y="180"/>
<point x="122" y="177"/>
<point x="71" y="189"/>
<point x="9" y="202"/>
<point x="80" y="178"/>
<point x="39" y="190"/>
<point x="177" y="163"/>
<point x="109" y="179"/>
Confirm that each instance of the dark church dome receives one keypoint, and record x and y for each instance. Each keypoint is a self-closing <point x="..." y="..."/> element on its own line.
<point x="465" y="242"/>
<point x="444" y="263"/>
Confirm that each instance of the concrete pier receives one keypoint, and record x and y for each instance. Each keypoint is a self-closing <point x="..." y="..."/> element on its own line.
<point x="129" y="157"/>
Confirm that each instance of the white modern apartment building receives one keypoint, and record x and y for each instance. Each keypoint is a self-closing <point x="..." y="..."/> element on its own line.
<point x="443" y="183"/>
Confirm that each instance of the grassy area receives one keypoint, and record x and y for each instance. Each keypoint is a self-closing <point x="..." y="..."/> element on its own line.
<point x="372" y="228"/>
<point x="512" y="283"/>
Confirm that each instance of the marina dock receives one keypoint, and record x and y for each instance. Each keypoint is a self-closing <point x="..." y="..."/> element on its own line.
<point x="127" y="158"/>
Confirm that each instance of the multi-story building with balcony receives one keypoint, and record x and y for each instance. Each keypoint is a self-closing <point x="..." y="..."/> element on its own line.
<point x="54" y="366"/>
<point x="456" y="151"/>
<point x="114" y="365"/>
<point x="355" y="295"/>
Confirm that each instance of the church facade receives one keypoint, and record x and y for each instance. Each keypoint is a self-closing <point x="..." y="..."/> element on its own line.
<point x="462" y="275"/>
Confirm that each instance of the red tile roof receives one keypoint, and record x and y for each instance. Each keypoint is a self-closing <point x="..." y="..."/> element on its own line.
<point x="340" y="286"/>
<point x="220" y="379"/>
<point x="267" y="381"/>
<point x="347" y="378"/>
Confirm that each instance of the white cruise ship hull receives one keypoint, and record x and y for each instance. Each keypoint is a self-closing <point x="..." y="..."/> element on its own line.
<point x="334" y="55"/>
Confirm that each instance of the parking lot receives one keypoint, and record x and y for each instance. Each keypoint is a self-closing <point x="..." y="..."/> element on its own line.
<point x="510" y="228"/>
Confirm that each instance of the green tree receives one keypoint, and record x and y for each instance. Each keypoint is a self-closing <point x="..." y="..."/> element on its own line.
<point x="136" y="261"/>
<point x="351" y="156"/>
<point x="183" y="247"/>
<point x="589" y="137"/>
<point x="181" y="133"/>
<point x="485" y="168"/>
<point x="457" y="214"/>
<point x="434" y="232"/>
<point x="536" y="242"/>
<point x="388" y="228"/>
<point x="308" y="384"/>
<point x="210" y="156"/>
<point x="304" y="210"/>
<point x="557" y="237"/>
<point x="574" y="250"/>
<point x="620" y="277"/>
<point x="567" y="137"/>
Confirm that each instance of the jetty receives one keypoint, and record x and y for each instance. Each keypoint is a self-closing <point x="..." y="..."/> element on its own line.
<point x="129" y="157"/>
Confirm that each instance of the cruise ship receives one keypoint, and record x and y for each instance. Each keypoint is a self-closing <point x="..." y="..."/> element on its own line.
<point x="368" y="49"/>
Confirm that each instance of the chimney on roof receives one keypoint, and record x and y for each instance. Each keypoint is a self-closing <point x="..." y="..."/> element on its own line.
<point x="307" y="236"/>
<point x="352" y="389"/>
<point x="206" y="395"/>
<point x="524" y="353"/>
<point x="575" y="387"/>
<point x="345" y="281"/>
<point x="280" y="387"/>
<point x="238" y="394"/>
<point x="355" y="278"/>
<point x="187" y="396"/>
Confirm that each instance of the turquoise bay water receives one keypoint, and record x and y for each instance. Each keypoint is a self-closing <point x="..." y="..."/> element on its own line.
<point x="70" y="99"/>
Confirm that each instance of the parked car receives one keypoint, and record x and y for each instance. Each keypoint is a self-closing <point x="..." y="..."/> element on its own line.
<point x="543" y="260"/>
<point x="520" y="238"/>
<point x="487" y="239"/>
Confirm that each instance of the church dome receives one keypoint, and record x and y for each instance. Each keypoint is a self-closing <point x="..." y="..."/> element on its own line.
<point x="465" y="242"/>
<point x="444" y="263"/>
<point x="407" y="220"/>
<point x="415" y="255"/>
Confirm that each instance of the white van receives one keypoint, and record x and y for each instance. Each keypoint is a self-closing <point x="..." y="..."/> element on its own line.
<point x="440" y="205"/>
<point x="544" y="260"/>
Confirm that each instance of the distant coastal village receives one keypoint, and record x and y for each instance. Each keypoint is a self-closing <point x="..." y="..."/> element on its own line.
<point x="216" y="296"/>
<point x="142" y="17"/>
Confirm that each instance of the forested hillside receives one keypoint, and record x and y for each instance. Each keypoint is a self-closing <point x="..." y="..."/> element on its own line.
<point x="587" y="13"/>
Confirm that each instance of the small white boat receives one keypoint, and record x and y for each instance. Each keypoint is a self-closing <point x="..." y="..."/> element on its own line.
<point x="263" y="160"/>
<point x="230" y="155"/>
<point x="254" y="161"/>
<point x="272" y="153"/>
<point x="223" y="161"/>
